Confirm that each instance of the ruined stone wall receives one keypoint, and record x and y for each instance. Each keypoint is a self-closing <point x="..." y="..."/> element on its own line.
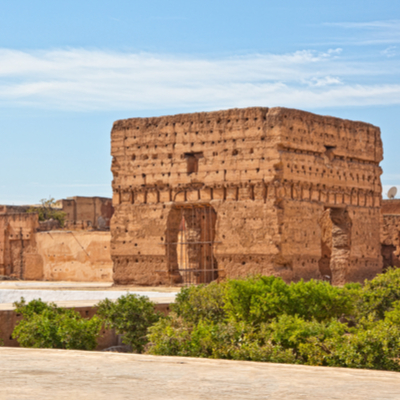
<point x="87" y="212"/>
<point x="18" y="255"/>
<point x="75" y="256"/>
<point x="390" y="233"/>
<point x="269" y="175"/>
<point x="390" y="240"/>
<point x="329" y="163"/>
<point x="28" y="254"/>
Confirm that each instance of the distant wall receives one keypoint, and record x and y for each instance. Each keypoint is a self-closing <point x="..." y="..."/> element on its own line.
<point x="75" y="256"/>
<point x="390" y="233"/>
<point x="390" y="206"/>
<point x="18" y="255"/>
<point x="86" y="212"/>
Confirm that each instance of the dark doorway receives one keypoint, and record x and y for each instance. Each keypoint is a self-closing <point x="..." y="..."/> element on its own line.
<point x="190" y="244"/>
<point x="389" y="258"/>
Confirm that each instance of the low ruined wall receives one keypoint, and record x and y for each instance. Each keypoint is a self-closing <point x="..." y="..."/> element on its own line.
<point x="108" y="337"/>
<point x="75" y="256"/>
<point x="9" y="319"/>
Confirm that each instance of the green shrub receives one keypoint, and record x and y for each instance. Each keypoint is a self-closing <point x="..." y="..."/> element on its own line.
<point x="233" y="341"/>
<point x="203" y="302"/>
<point x="261" y="299"/>
<point x="316" y="300"/>
<point x="371" y="347"/>
<point x="256" y="300"/>
<point x="393" y="316"/>
<point x="47" y="326"/>
<point x="170" y="336"/>
<point x="379" y="294"/>
<point x="131" y="315"/>
<point x="292" y="331"/>
<point x="264" y="319"/>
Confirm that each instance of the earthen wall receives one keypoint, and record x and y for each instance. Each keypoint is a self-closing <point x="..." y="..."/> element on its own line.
<point x="75" y="256"/>
<point x="268" y="174"/>
<point x="18" y="255"/>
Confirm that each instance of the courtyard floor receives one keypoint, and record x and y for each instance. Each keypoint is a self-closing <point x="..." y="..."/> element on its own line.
<point x="58" y="374"/>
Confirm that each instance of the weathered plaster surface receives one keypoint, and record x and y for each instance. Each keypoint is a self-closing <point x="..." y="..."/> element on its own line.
<point x="268" y="174"/>
<point x="75" y="256"/>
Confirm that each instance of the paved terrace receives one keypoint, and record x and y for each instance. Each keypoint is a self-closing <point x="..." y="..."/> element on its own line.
<point x="76" y="294"/>
<point x="58" y="374"/>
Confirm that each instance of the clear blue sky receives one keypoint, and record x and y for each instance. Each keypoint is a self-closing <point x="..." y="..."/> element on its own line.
<point x="69" y="69"/>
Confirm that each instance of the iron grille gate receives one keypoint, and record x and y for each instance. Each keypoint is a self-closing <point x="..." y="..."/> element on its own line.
<point x="190" y="244"/>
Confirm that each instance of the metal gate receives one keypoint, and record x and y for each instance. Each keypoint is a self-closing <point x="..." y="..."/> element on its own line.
<point x="191" y="249"/>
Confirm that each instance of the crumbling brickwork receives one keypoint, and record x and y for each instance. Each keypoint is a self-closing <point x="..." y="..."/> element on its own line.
<point x="18" y="255"/>
<point x="34" y="250"/>
<point x="390" y="233"/>
<point x="289" y="193"/>
<point x="87" y="212"/>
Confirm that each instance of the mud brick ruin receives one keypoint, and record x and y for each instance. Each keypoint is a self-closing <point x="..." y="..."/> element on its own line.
<point x="245" y="191"/>
<point x="43" y="250"/>
<point x="390" y="233"/>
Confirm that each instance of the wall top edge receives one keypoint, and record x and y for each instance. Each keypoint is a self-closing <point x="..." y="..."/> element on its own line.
<point x="241" y="113"/>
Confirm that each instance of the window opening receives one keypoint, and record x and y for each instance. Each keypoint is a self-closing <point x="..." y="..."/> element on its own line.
<point x="192" y="162"/>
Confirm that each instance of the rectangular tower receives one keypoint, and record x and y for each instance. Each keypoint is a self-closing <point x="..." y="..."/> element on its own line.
<point x="245" y="191"/>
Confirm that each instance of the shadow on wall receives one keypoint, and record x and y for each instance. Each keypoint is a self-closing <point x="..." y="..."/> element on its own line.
<point x="335" y="245"/>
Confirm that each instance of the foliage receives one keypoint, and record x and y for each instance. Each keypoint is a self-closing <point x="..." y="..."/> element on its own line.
<point x="203" y="302"/>
<point x="48" y="211"/>
<point x="264" y="319"/>
<point x="393" y="316"/>
<point x="260" y="299"/>
<point x="47" y="326"/>
<point x="380" y="294"/>
<point x="258" y="318"/>
<point x="131" y="315"/>
<point x="235" y="341"/>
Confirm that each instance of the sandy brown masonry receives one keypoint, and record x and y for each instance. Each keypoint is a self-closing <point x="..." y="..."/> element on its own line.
<point x="285" y="192"/>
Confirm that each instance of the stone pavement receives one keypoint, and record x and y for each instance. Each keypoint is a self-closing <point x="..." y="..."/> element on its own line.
<point x="77" y="294"/>
<point x="33" y="374"/>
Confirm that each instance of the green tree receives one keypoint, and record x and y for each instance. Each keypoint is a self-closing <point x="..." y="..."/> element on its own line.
<point x="48" y="326"/>
<point x="131" y="315"/>
<point x="203" y="302"/>
<point x="47" y="211"/>
<point x="380" y="294"/>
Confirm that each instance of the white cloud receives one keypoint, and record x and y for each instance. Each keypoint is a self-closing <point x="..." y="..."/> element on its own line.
<point x="370" y="32"/>
<point x="390" y="51"/>
<point x="81" y="79"/>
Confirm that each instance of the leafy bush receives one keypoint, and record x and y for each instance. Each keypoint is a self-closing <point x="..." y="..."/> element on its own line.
<point x="47" y="326"/>
<point x="256" y="300"/>
<point x="47" y="211"/>
<point x="380" y="294"/>
<point x="131" y="315"/>
<point x="393" y="316"/>
<point x="260" y="299"/>
<point x="203" y="302"/>
<point x="233" y="341"/>
<point x="264" y="319"/>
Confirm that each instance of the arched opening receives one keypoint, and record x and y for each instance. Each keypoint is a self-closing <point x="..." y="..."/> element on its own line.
<point x="190" y="244"/>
